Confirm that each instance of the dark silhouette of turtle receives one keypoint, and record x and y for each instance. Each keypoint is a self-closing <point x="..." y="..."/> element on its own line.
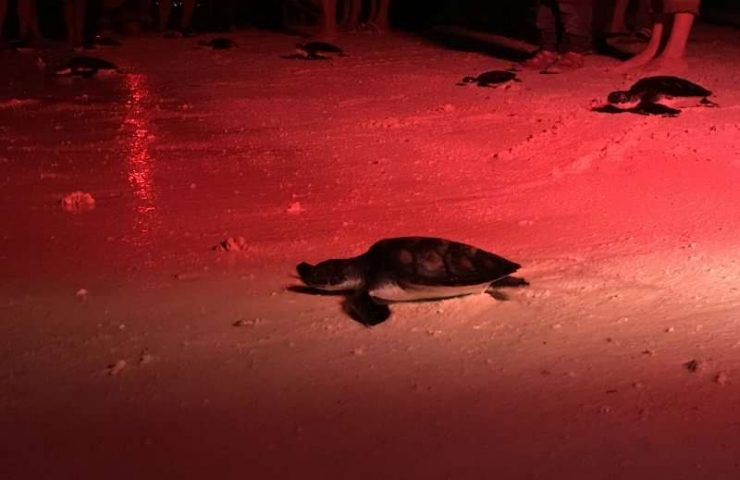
<point x="409" y="269"/>
<point x="661" y="95"/>
<point x="106" y="41"/>
<point x="492" y="78"/>
<point x="84" y="66"/>
<point x="21" y="46"/>
<point x="317" y="51"/>
<point x="219" y="43"/>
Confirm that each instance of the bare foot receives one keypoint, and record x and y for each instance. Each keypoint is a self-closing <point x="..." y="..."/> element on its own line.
<point x="642" y="58"/>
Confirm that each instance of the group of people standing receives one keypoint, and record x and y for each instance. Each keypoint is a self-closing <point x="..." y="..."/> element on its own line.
<point x="565" y="26"/>
<point x="565" y="29"/>
<point x="82" y="18"/>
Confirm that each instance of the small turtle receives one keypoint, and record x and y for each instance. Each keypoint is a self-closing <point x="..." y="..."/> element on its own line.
<point x="318" y="50"/>
<point x="86" y="67"/>
<point x="661" y="95"/>
<point x="409" y="269"/>
<point x="219" y="43"/>
<point x="492" y="78"/>
<point x="21" y="46"/>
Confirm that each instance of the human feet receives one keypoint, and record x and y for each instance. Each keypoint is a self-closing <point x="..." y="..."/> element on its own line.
<point x="541" y="60"/>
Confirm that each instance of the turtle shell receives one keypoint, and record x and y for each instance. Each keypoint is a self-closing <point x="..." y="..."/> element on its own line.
<point x="220" y="43"/>
<point x="668" y="85"/>
<point x="495" y="77"/>
<point x="428" y="261"/>
<point x="91" y="62"/>
<point x="320" y="47"/>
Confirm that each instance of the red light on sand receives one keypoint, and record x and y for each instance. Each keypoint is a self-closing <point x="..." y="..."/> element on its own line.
<point x="140" y="162"/>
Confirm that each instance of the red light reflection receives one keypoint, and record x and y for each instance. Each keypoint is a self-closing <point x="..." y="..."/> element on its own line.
<point x="140" y="162"/>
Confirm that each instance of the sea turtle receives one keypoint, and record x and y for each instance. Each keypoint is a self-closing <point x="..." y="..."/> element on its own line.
<point x="409" y="269"/>
<point x="492" y="78"/>
<point x="219" y="43"/>
<point x="661" y="95"/>
<point x="106" y="41"/>
<point x="318" y="50"/>
<point x="21" y="46"/>
<point x="84" y="66"/>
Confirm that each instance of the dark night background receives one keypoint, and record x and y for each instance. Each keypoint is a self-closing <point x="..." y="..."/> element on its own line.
<point x="509" y="17"/>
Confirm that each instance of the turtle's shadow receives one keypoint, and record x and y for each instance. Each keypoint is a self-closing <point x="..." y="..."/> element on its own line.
<point x="297" y="56"/>
<point x="349" y="302"/>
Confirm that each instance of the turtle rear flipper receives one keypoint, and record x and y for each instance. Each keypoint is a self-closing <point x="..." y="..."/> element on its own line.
<point x="705" y="102"/>
<point x="364" y="309"/>
<point x="510" y="282"/>
<point x="650" y="108"/>
<point x="505" y="282"/>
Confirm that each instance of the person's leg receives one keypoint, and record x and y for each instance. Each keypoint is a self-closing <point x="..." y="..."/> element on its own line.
<point x="74" y="15"/>
<point x="351" y="10"/>
<point x="145" y="12"/>
<point x="676" y="46"/>
<point x="547" y="25"/>
<point x="617" y="24"/>
<point x="188" y="7"/>
<point x="576" y="19"/>
<point x="165" y="8"/>
<point x="3" y="12"/>
<point x="80" y="9"/>
<point x="683" y="13"/>
<point x="230" y="14"/>
<point x="27" y="19"/>
<point x="575" y="16"/>
<point x="649" y="52"/>
<point x="90" y="21"/>
<point x="380" y="15"/>
<point x="329" y="18"/>
<point x="643" y="16"/>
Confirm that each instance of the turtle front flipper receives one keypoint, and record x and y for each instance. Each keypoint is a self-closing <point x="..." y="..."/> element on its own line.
<point x="364" y="309"/>
<point x="650" y="108"/>
<point x="609" y="108"/>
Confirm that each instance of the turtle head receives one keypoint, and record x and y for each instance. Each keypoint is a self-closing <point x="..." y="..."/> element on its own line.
<point x="620" y="97"/>
<point x="332" y="275"/>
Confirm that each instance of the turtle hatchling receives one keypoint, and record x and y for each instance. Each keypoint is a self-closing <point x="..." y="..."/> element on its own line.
<point x="661" y="95"/>
<point x="318" y="50"/>
<point x="408" y="269"/>
<point x="218" y="43"/>
<point x="492" y="78"/>
<point x="86" y="67"/>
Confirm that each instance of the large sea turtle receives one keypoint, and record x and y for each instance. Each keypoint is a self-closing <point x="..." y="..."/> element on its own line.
<point x="409" y="269"/>
<point x="660" y="95"/>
